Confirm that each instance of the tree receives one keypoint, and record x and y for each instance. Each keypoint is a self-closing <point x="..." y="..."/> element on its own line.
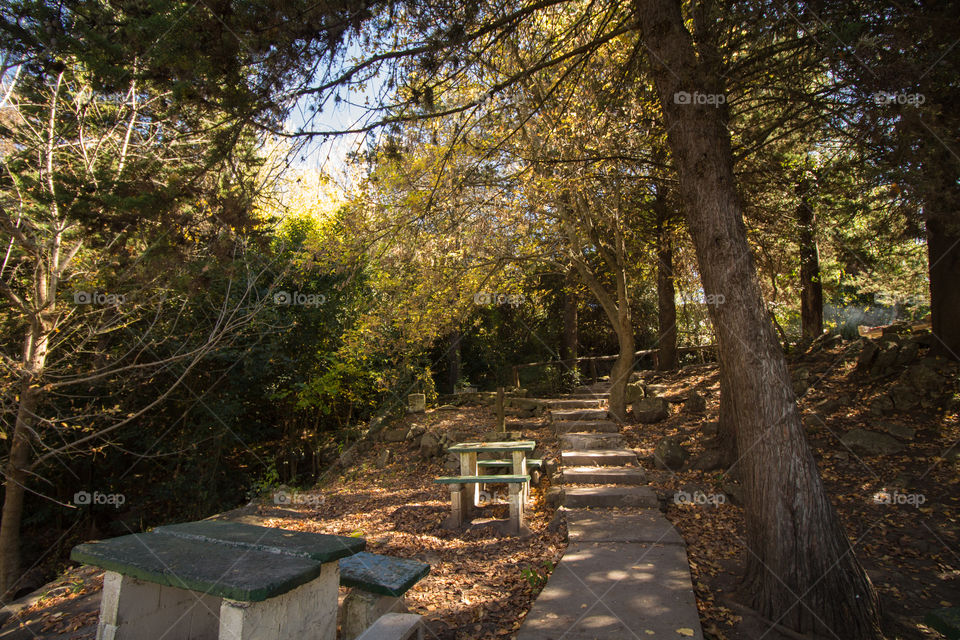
<point x="788" y="512"/>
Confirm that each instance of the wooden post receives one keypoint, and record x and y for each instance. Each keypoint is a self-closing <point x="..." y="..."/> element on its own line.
<point x="593" y="370"/>
<point x="516" y="508"/>
<point x="516" y="376"/>
<point x="501" y="414"/>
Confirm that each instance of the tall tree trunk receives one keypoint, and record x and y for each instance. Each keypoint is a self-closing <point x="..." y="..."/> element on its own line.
<point x="453" y="361"/>
<point x="666" y="301"/>
<point x="943" y="255"/>
<point x="811" y="289"/>
<point x="801" y="568"/>
<point x="14" y="488"/>
<point x="727" y="426"/>
<point x="569" y="340"/>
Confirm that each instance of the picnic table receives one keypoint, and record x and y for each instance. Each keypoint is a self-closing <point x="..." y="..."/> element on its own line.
<point x="215" y="579"/>
<point x="465" y="488"/>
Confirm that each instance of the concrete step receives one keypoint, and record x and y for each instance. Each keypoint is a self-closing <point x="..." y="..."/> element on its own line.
<point x="600" y="387"/>
<point x="578" y="414"/>
<point x="629" y="525"/>
<point x="616" y="590"/>
<point x="607" y="497"/>
<point x="598" y="395"/>
<point x="604" y="475"/>
<point x="572" y="403"/>
<point x="586" y="426"/>
<point x="598" y="457"/>
<point x="590" y="441"/>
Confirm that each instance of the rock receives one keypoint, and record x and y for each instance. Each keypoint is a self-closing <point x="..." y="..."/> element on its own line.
<point x="383" y="458"/>
<point x="900" y="431"/>
<point x="524" y="404"/>
<point x="550" y="466"/>
<point x="429" y="445"/>
<point x="650" y="410"/>
<point x="514" y="412"/>
<point x="535" y="477"/>
<point x="669" y="453"/>
<point x="834" y="404"/>
<point x="416" y="431"/>
<point x="452" y="466"/>
<point x="904" y="397"/>
<point x="881" y="405"/>
<point x="709" y="460"/>
<point x="868" y="354"/>
<point x="733" y="491"/>
<point x="908" y="352"/>
<point x="695" y="403"/>
<point x="871" y="443"/>
<point x="924" y="378"/>
<point x="554" y="497"/>
<point x="656" y="389"/>
<point x="635" y="392"/>
<point x="886" y="359"/>
<point x="446" y="407"/>
<point x="394" y="435"/>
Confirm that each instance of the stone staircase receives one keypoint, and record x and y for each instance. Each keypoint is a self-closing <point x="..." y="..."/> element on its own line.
<point x="625" y="572"/>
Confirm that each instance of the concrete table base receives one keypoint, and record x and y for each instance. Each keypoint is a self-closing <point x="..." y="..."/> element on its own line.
<point x="131" y="609"/>
<point x="361" y="609"/>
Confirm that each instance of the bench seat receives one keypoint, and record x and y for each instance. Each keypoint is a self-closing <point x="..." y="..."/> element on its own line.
<point x="508" y="479"/>
<point x="395" y="626"/>
<point x="533" y="463"/>
<point x="382" y="575"/>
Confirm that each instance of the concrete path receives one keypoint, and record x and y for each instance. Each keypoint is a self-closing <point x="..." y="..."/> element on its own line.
<point x="625" y="573"/>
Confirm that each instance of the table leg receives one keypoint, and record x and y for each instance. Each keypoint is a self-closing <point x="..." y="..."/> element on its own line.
<point x="459" y="507"/>
<point x="309" y="612"/>
<point x="131" y="609"/>
<point x="468" y="467"/>
<point x="520" y="469"/>
<point x="516" y="508"/>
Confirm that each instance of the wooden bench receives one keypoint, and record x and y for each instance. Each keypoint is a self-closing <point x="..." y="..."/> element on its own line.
<point x="462" y="502"/>
<point x="533" y="463"/>
<point x="378" y="586"/>
<point x="225" y="580"/>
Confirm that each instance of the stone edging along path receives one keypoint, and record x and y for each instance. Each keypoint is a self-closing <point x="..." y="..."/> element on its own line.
<point x="625" y="572"/>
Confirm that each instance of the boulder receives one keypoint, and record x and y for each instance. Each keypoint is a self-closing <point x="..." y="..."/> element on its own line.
<point x="834" y="403"/>
<point x="709" y="460"/>
<point x="635" y="392"/>
<point x="908" y="352"/>
<point x="429" y="445"/>
<point x="695" y="403"/>
<point x="416" y="431"/>
<point x="522" y="404"/>
<point x="383" y="458"/>
<point x="395" y="435"/>
<point x="733" y="491"/>
<point x="904" y="397"/>
<point x="670" y="453"/>
<point x="446" y="407"/>
<point x="649" y="410"/>
<point x="886" y="359"/>
<point x="881" y="405"/>
<point x="924" y="378"/>
<point x="800" y="378"/>
<point x="899" y="431"/>
<point x="868" y="354"/>
<point x="871" y="443"/>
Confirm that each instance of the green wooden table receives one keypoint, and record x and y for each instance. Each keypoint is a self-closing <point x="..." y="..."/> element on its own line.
<point x="518" y="450"/>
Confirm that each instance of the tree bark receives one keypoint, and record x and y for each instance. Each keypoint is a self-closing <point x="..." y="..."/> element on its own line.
<point x="453" y="361"/>
<point x="943" y="256"/>
<point x="801" y="568"/>
<point x="569" y="343"/>
<point x="666" y="301"/>
<point x="811" y="288"/>
<point x="14" y="488"/>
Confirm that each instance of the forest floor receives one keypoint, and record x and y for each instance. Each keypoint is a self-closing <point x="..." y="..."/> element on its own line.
<point x="482" y="583"/>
